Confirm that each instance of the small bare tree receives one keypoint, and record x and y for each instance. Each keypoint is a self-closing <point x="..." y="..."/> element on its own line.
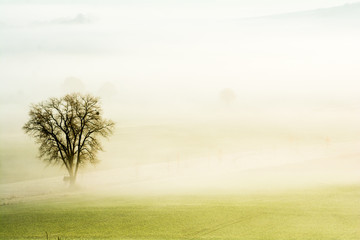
<point x="68" y="130"/>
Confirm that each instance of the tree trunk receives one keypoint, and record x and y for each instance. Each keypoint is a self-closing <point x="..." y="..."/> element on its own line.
<point x="72" y="181"/>
<point x="72" y="178"/>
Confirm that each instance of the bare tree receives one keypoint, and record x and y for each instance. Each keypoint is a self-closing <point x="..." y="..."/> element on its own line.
<point x="68" y="130"/>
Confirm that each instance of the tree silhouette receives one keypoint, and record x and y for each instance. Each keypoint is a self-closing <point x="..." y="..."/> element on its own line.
<point x="68" y="130"/>
<point x="73" y="84"/>
<point x="227" y="96"/>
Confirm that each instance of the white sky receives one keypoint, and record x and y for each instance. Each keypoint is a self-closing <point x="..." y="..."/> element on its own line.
<point x="187" y="49"/>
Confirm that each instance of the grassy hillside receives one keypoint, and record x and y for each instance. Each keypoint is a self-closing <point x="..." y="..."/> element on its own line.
<point x="327" y="213"/>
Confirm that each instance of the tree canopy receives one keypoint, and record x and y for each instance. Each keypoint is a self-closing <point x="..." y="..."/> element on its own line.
<point x="68" y="130"/>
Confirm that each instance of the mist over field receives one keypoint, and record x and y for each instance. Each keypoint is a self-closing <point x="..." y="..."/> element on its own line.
<point x="233" y="119"/>
<point x="208" y="97"/>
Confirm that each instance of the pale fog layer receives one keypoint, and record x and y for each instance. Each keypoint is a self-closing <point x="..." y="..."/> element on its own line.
<point x="208" y="97"/>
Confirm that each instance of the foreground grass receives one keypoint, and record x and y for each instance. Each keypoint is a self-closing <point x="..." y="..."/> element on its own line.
<point x="328" y="213"/>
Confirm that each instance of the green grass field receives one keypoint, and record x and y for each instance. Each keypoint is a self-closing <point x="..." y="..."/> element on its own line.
<point x="326" y="213"/>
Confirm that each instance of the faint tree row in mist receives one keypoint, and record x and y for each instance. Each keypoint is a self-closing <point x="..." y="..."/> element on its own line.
<point x="73" y="84"/>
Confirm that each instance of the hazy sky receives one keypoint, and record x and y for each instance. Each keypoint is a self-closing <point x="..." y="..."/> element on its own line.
<point x="183" y="51"/>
